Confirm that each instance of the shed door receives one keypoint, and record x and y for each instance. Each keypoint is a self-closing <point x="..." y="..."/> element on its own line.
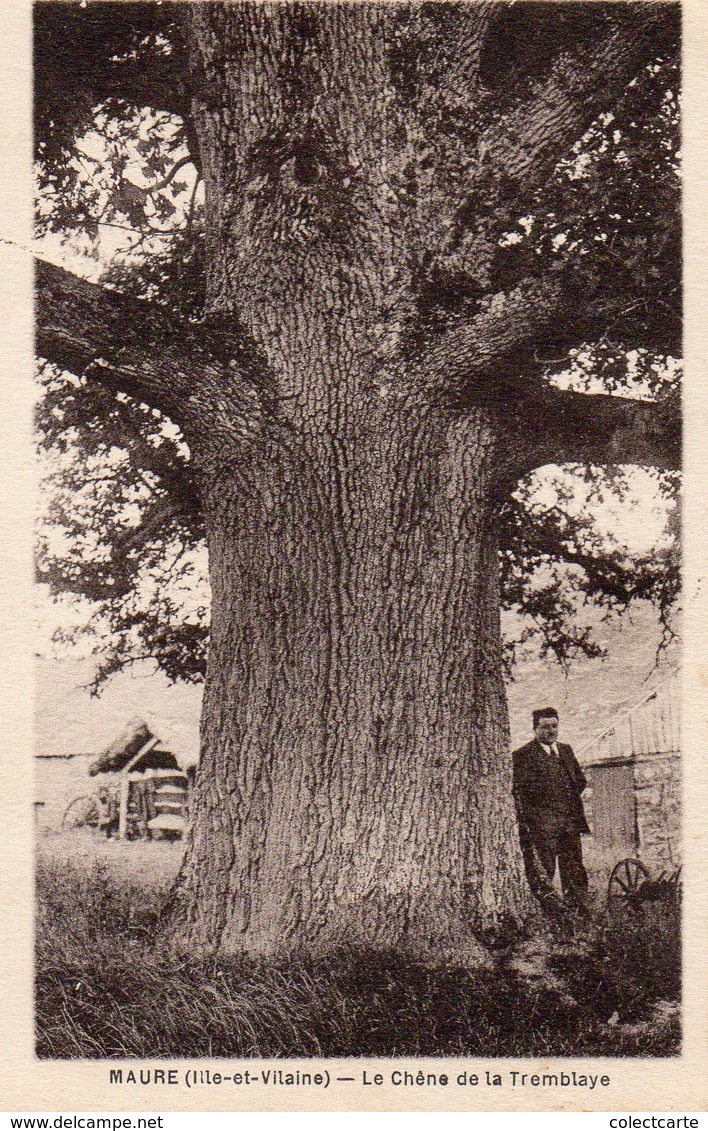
<point x="613" y="811"/>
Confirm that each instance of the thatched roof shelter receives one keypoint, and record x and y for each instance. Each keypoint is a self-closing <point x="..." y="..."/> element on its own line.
<point x="130" y="742"/>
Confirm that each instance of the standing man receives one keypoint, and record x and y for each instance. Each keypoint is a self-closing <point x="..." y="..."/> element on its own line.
<point x="548" y="783"/>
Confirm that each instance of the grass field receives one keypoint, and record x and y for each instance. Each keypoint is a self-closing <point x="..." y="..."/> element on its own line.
<point x="109" y="984"/>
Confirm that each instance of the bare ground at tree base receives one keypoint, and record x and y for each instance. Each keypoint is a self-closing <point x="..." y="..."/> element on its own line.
<point x="108" y="985"/>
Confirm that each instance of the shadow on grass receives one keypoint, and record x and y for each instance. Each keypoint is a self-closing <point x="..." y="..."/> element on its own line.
<point x="108" y="986"/>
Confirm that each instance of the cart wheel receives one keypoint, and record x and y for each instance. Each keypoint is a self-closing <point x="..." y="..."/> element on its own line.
<point x="82" y="812"/>
<point x="625" y="881"/>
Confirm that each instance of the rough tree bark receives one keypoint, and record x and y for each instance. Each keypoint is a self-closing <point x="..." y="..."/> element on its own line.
<point x="354" y="719"/>
<point x="354" y="784"/>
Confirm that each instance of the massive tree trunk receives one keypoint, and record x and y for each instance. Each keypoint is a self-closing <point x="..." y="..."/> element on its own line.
<point x="354" y="782"/>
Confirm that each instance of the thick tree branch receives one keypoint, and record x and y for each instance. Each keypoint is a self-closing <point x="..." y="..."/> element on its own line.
<point x="497" y="361"/>
<point x="502" y="351"/>
<point x="477" y="356"/>
<point x="203" y="380"/>
<point x="466" y="27"/>
<point x="526" y="145"/>
<point x="521" y="147"/>
<point x="561" y="426"/>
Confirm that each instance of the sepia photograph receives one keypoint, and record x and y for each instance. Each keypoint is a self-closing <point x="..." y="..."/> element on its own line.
<point x="358" y="428"/>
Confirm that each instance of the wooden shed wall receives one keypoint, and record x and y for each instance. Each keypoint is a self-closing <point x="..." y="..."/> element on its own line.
<point x="634" y="771"/>
<point x="611" y="807"/>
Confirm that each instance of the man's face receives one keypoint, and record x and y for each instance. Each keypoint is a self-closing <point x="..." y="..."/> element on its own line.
<point x="547" y="730"/>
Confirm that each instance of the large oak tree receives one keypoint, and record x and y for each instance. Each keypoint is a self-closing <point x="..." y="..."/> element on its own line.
<point x="413" y="214"/>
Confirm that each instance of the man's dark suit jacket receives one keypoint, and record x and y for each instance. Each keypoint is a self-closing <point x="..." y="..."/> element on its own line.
<point x="536" y="783"/>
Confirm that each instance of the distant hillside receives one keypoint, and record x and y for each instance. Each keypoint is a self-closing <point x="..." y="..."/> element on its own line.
<point x="594" y="691"/>
<point x="70" y="721"/>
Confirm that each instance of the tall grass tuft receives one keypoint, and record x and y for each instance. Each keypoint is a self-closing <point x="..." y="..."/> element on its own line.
<point x="108" y="985"/>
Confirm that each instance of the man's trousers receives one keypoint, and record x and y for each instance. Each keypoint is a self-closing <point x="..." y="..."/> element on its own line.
<point x="541" y="847"/>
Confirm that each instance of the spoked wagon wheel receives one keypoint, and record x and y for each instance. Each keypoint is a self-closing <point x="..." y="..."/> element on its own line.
<point x="82" y="812"/>
<point x="625" y="881"/>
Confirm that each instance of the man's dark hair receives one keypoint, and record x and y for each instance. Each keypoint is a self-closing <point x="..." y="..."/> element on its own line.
<point x="543" y="713"/>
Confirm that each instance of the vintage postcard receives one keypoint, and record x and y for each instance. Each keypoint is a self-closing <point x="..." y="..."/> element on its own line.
<point x="354" y="531"/>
